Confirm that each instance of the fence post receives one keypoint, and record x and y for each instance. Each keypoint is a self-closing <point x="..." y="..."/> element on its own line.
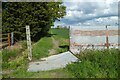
<point x="9" y="39"/>
<point x="29" y="43"/>
<point x="107" y="43"/>
<point x="12" y="38"/>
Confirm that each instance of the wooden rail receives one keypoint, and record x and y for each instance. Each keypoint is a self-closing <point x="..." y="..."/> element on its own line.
<point x="7" y="40"/>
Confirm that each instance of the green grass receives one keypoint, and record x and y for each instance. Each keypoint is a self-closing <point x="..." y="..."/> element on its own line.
<point x="17" y="68"/>
<point x="0" y="63"/>
<point x="57" y="73"/>
<point x="42" y="47"/>
<point x="0" y="55"/>
<point x="96" y="64"/>
<point x="61" y="35"/>
<point x="8" y="55"/>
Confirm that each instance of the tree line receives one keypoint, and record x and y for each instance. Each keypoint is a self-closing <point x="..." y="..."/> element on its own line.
<point x="40" y="16"/>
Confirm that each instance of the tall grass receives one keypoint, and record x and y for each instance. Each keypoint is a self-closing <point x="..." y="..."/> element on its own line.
<point x="96" y="64"/>
<point x="8" y="55"/>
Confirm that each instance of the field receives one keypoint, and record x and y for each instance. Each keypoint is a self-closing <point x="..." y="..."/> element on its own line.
<point x="93" y="64"/>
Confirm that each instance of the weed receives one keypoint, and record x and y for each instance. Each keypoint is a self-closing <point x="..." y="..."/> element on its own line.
<point x="24" y="44"/>
<point x="96" y="64"/>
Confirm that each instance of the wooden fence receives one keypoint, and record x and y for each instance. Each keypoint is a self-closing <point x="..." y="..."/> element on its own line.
<point x="6" y="40"/>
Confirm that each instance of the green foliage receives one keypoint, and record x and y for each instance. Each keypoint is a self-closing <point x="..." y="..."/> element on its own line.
<point x="61" y="50"/>
<point x="42" y="47"/>
<point x="96" y="64"/>
<point x="40" y="16"/>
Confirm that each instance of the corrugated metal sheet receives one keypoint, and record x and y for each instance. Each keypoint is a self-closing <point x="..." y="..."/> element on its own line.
<point x="92" y="37"/>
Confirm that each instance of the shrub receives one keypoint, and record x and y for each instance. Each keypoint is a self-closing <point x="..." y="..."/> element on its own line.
<point x="96" y="64"/>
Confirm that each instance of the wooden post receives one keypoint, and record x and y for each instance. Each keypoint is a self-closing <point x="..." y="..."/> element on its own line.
<point x="12" y="38"/>
<point x="107" y="43"/>
<point x="9" y="39"/>
<point x="29" y="43"/>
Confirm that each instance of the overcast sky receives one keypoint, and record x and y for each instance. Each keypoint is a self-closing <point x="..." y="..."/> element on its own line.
<point x="87" y="12"/>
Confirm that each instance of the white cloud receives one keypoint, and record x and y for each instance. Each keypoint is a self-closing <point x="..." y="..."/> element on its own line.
<point x="91" y="13"/>
<point x="101" y="21"/>
<point x="109" y="1"/>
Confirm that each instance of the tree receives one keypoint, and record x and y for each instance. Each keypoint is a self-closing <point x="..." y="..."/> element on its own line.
<point x="40" y="16"/>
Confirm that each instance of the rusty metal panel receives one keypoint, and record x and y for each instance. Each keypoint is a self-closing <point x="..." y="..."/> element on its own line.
<point x="88" y="37"/>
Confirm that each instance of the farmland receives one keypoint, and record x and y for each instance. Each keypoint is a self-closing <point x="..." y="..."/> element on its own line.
<point x="92" y="64"/>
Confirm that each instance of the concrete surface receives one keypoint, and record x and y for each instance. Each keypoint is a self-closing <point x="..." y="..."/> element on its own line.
<point x="52" y="62"/>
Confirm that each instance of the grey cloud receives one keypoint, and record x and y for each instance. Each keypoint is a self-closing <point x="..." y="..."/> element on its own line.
<point x="89" y="8"/>
<point x="84" y="19"/>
